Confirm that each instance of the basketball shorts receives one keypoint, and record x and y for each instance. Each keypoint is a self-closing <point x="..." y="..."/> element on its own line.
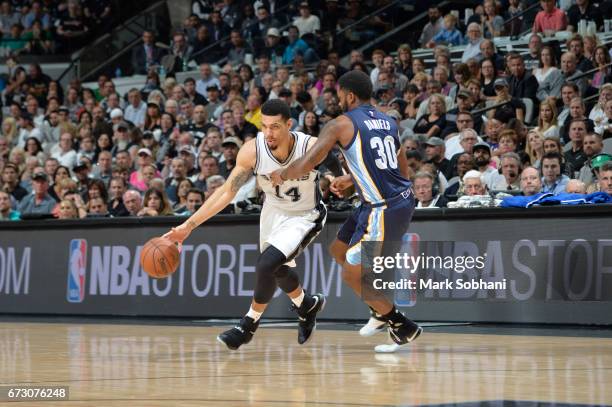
<point x="288" y="231"/>
<point x="385" y="223"/>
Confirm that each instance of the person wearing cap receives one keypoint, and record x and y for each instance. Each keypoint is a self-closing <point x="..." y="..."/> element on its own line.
<point x="214" y="101"/>
<point x="121" y="137"/>
<point x="230" y="145"/>
<point x="307" y="23"/>
<point x="513" y="109"/>
<point x="274" y="45"/>
<point x="188" y="154"/>
<point x="137" y="178"/>
<point x="6" y="211"/>
<point x="482" y="161"/>
<point x="39" y="202"/>
<point x="465" y="104"/>
<point x="434" y="154"/>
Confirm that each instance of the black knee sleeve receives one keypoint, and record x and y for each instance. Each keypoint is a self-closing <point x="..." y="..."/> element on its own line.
<point x="265" y="279"/>
<point x="287" y="279"/>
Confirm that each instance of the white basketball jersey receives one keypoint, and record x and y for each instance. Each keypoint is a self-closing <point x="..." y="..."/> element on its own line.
<point x="295" y="194"/>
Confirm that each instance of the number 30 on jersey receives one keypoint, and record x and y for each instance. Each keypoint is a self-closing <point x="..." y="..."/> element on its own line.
<point x="385" y="148"/>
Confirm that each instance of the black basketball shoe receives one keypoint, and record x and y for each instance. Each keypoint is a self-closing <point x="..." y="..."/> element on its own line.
<point x="239" y="335"/>
<point x="307" y="316"/>
<point x="403" y="331"/>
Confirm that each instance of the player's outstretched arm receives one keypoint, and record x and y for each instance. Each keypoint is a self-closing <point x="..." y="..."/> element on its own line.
<point x="330" y="135"/>
<point x="222" y="197"/>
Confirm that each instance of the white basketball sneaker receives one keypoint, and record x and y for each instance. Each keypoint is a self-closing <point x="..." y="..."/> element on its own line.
<point x="374" y="325"/>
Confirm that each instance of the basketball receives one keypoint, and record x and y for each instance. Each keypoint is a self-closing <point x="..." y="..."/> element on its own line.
<point x="159" y="257"/>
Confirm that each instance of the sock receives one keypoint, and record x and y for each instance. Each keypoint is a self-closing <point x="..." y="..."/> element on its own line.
<point x="254" y="314"/>
<point x="299" y="299"/>
<point x="394" y="316"/>
<point x="375" y="313"/>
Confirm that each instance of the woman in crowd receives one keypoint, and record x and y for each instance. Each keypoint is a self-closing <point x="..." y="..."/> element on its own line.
<point x="10" y="130"/>
<point x="515" y="108"/>
<point x="33" y="148"/>
<point x="432" y="124"/>
<point x="156" y="203"/>
<point x="103" y="143"/>
<point x="535" y="147"/>
<point x="67" y="210"/>
<point x="182" y="189"/>
<point x="311" y="124"/>
<point x="602" y="58"/>
<point x="152" y="117"/>
<point x="55" y="189"/>
<point x="547" y="119"/>
<point x="546" y="74"/>
<point x="493" y="24"/>
<point x="488" y="74"/>
<point x="140" y="178"/>
<point x="96" y="189"/>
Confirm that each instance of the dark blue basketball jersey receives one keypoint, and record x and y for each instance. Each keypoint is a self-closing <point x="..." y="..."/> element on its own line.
<point x="372" y="155"/>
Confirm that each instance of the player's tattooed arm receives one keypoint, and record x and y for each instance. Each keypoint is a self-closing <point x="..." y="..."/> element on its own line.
<point x="239" y="178"/>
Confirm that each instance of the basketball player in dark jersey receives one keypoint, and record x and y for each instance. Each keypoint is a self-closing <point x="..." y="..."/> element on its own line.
<point x="369" y="141"/>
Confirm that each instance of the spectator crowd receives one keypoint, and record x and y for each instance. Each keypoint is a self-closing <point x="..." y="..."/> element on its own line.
<point x="42" y="27"/>
<point x="493" y="122"/>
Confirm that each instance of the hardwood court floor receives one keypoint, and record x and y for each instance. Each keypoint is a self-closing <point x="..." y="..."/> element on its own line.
<point x="152" y="365"/>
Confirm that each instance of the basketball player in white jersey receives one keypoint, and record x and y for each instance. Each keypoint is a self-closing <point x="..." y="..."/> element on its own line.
<point x="292" y="216"/>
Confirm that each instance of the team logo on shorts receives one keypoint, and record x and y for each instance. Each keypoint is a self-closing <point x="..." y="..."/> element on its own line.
<point x="77" y="261"/>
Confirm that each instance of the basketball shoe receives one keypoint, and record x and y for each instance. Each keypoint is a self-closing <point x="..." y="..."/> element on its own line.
<point x="307" y="316"/>
<point x="375" y="324"/>
<point x="401" y="329"/>
<point x="239" y="335"/>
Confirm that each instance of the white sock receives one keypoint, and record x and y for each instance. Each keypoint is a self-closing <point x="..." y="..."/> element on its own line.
<point x="298" y="300"/>
<point x="254" y="314"/>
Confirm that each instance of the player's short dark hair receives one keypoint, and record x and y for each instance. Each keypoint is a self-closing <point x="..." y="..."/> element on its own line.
<point x="357" y="82"/>
<point x="275" y="107"/>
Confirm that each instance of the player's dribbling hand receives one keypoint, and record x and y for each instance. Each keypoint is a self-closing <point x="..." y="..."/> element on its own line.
<point x="178" y="234"/>
<point x="275" y="178"/>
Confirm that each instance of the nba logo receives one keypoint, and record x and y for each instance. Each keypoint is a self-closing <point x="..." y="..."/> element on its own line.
<point x="76" y="270"/>
<point x="410" y="246"/>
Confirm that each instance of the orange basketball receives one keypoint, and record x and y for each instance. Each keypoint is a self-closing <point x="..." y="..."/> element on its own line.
<point x="159" y="257"/>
